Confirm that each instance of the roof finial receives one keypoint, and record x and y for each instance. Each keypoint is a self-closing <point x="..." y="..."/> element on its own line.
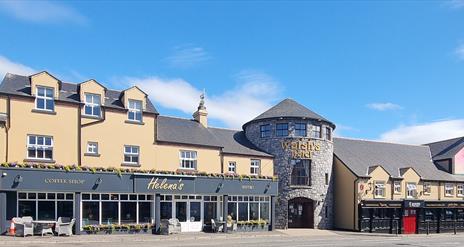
<point x="202" y="100"/>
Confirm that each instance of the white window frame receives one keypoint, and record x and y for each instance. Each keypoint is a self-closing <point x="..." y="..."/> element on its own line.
<point x="411" y="190"/>
<point x="460" y="190"/>
<point x="449" y="188"/>
<point x="131" y="154"/>
<point x="313" y="131"/>
<point x="131" y="109"/>
<point x="94" y="103"/>
<point x="379" y="186"/>
<point x="427" y="188"/>
<point x="188" y="159"/>
<point x="37" y="146"/>
<point x="255" y="167"/>
<point x="397" y="187"/>
<point x="45" y="98"/>
<point x="232" y="167"/>
<point x="90" y="149"/>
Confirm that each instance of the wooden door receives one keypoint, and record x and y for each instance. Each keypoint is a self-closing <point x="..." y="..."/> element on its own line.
<point x="300" y="213"/>
<point x="410" y="221"/>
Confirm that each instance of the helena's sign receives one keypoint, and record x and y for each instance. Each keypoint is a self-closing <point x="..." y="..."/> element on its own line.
<point x="63" y="181"/>
<point x="301" y="149"/>
<point x="164" y="184"/>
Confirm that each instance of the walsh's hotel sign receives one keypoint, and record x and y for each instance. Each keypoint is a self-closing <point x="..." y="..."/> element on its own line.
<point x="301" y="149"/>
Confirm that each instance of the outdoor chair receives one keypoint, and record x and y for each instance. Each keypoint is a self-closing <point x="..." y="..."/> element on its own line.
<point x="24" y="226"/>
<point x="232" y="226"/>
<point x="64" y="226"/>
<point x="170" y="226"/>
<point x="215" y="227"/>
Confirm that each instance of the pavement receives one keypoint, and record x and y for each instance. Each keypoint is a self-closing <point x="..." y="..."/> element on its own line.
<point x="291" y="237"/>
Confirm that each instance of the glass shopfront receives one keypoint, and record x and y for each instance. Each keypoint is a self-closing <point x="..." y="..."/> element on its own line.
<point x="245" y="208"/>
<point x="45" y="205"/>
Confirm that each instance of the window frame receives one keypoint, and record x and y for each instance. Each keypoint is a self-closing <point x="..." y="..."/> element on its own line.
<point x="265" y="130"/>
<point x="297" y="166"/>
<point x="319" y="132"/>
<point x="45" y="98"/>
<point x="92" y="104"/>
<point x="447" y="186"/>
<point x="233" y="165"/>
<point x="303" y="130"/>
<point x="376" y="187"/>
<point x="397" y="188"/>
<point x="131" y="155"/>
<point x="37" y="146"/>
<point x="427" y="188"/>
<point x="281" y="132"/>
<point x="460" y="194"/>
<point x="96" y="148"/>
<point x="408" y="191"/>
<point x="134" y="110"/>
<point x="194" y="164"/>
<point x="328" y="133"/>
<point x="255" y="167"/>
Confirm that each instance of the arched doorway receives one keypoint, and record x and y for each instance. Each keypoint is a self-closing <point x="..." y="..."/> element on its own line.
<point x="300" y="213"/>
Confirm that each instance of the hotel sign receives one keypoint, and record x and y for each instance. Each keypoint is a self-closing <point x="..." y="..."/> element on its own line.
<point x="301" y="149"/>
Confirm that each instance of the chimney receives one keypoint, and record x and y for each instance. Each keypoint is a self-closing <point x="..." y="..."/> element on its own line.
<point x="201" y="115"/>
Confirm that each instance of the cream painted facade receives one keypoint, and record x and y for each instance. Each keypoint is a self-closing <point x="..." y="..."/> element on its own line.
<point x="72" y="131"/>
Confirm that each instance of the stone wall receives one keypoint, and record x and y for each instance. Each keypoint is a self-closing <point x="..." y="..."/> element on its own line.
<point x="318" y="191"/>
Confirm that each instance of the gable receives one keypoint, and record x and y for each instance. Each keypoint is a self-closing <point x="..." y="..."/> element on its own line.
<point x="134" y="93"/>
<point x="47" y="80"/>
<point x="92" y="86"/>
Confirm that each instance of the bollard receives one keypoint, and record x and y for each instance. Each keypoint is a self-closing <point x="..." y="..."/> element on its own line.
<point x="454" y="223"/>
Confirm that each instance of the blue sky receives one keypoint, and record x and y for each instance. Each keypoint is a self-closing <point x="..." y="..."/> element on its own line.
<point x="383" y="70"/>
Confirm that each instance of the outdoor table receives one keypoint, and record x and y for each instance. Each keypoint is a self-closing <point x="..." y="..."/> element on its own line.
<point x="223" y="223"/>
<point x="43" y="226"/>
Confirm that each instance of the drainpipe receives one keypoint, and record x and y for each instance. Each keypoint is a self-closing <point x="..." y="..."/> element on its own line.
<point x="439" y="190"/>
<point x="355" y="191"/>
<point x="79" y="136"/>
<point x="7" y="125"/>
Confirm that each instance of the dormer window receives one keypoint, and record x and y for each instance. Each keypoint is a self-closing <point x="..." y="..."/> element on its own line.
<point x="135" y="110"/>
<point x="92" y="105"/>
<point x="44" y="99"/>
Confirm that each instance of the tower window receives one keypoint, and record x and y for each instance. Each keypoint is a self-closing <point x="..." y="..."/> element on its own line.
<point x="265" y="130"/>
<point x="300" y="129"/>
<point x="301" y="172"/>
<point x="316" y="133"/>
<point x="282" y="129"/>
<point x="328" y="133"/>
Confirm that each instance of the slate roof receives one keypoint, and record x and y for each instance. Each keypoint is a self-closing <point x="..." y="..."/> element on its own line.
<point x="190" y="132"/>
<point x="361" y="155"/>
<point x="20" y="85"/>
<point x="446" y="149"/>
<point x="289" y="108"/>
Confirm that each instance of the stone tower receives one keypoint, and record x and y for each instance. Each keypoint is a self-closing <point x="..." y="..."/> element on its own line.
<point x="301" y="142"/>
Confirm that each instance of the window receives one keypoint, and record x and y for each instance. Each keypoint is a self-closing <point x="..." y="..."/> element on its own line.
<point x="316" y="133"/>
<point x="232" y="167"/>
<point x="131" y="154"/>
<point x="379" y="189"/>
<point x="301" y="172"/>
<point x="92" y="147"/>
<point x="188" y="159"/>
<point x="397" y="187"/>
<point x="135" y="110"/>
<point x="328" y="133"/>
<point x="246" y="208"/>
<point x="92" y="105"/>
<point x="411" y="190"/>
<point x="44" y="99"/>
<point x="45" y="206"/>
<point x="255" y="167"/>
<point x="449" y="189"/>
<point x="300" y="129"/>
<point x="282" y="129"/>
<point x="460" y="189"/>
<point x="40" y="147"/>
<point x="326" y="178"/>
<point x="265" y="130"/>
<point x="427" y="188"/>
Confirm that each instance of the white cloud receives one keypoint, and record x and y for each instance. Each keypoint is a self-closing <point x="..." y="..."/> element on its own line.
<point x="460" y="52"/>
<point x="42" y="11"/>
<point x="7" y="65"/>
<point x="253" y="94"/>
<point x="384" y="106"/>
<point x="341" y="129"/>
<point x="455" y="4"/>
<point x="425" y="133"/>
<point x="188" y="56"/>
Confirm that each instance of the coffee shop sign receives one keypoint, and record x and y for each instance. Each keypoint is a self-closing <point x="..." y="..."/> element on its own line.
<point x="301" y="149"/>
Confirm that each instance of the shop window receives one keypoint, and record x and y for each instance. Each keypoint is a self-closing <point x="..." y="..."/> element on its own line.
<point x="264" y="211"/>
<point x="282" y="129"/>
<point x="166" y="210"/>
<point x="397" y="187"/>
<point x="460" y="214"/>
<point x="134" y="112"/>
<point x="427" y="188"/>
<point x="254" y="211"/>
<point x="316" y="132"/>
<point x="411" y="190"/>
<point x="188" y="159"/>
<point x="27" y="208"/>
<point x="92" y="105"/>
<point x="300" y="129"/>
<point x="144" y="212"/>
<point x="429" y="215"/>
<point x="255" y="167"/>
<point x="195" y="211"/>
<point x="46" y="210"/>
<point x="449" y="190"/>
<point x="131" y="154"/>
<point x="232" y="168"/>
<point x="39" y="147"/>
<point x="328" y="133"/>
<point x="379" y="189"/>
<point x="44" y="99"/>
<point x="449" y="214"/>
<point x="109" y="213"/>
<point x="181" y="211"/>
<point x="243" y="211"/>
<point x="90" y="213"/>
<point x="209" y="211"/>
<point x="460" y="189"/>
<point x="265" y="130"/>
<point x="92" y="147"/>
<point x="232" y="210"/>
<point x="44" y="206"/>
<point x="301" y="172"/>
<point x="128" y="212"/>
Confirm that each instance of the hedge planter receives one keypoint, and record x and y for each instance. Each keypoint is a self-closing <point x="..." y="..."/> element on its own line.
<point x="117" y="229"/>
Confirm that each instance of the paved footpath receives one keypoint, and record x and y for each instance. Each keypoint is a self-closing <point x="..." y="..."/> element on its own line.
<point x="294" y="238"/>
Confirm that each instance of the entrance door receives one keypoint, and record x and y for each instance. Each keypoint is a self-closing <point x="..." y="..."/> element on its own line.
<point x="409" y="221"/>
<point x="189" y="213"/>
<point x="300" y="213"/>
